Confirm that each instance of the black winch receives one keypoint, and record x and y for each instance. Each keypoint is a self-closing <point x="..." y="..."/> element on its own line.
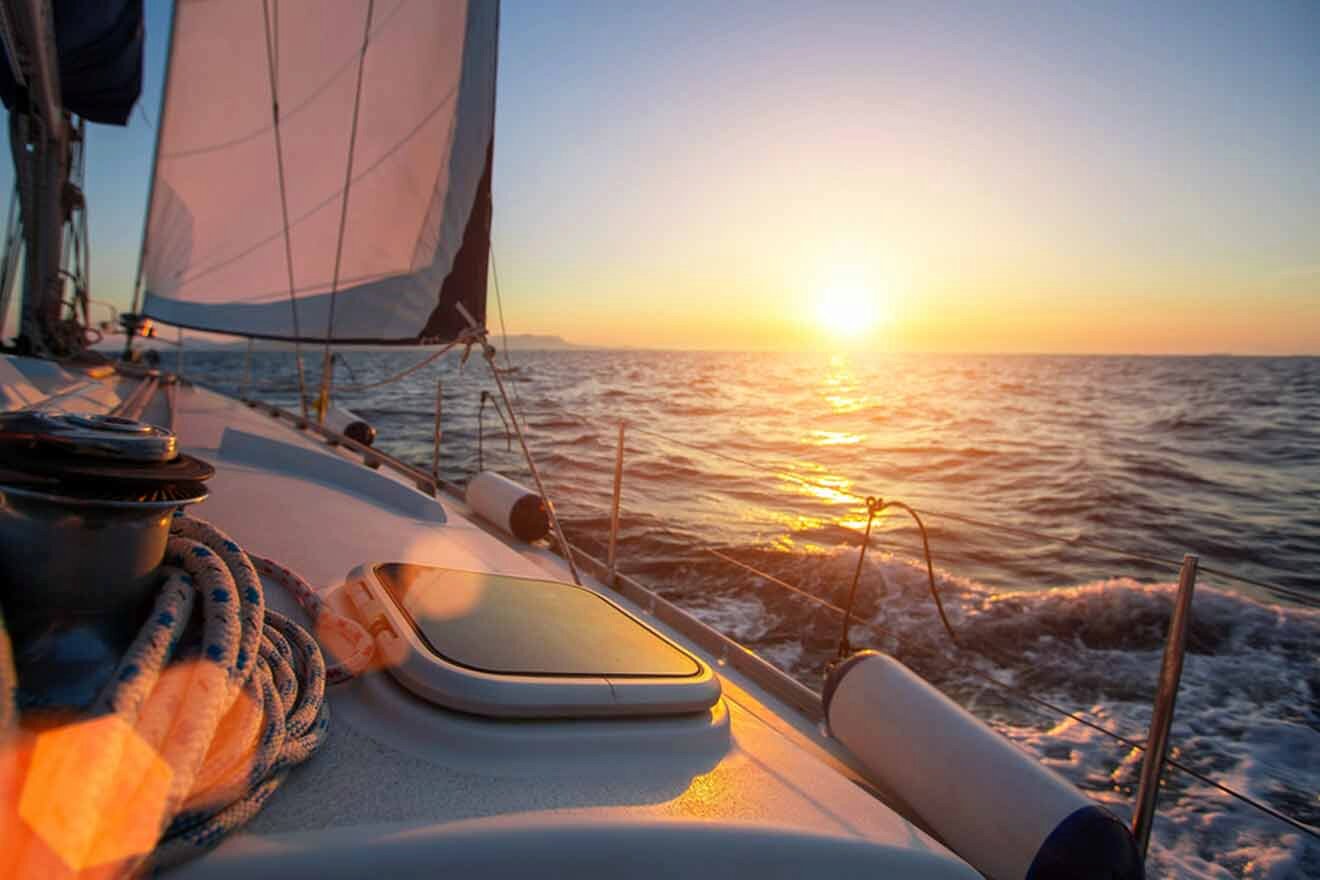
<point x="85" y="508"/>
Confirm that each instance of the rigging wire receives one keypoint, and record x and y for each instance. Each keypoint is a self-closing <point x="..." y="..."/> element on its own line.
<point x="341" y="359"/>
<point x="504" y="333"/>
<point x="778" y="582"/>
<point x="551" y="513"/>
<point x="284" y="200"/>
<point x="366" y="386"/>
<point x="327" y="369"/>
<point x="481" y="428"/>
<point x="514" y="407"/>
<point x="410" y="370"/>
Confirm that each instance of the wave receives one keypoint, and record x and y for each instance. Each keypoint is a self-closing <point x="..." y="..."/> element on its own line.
<point x="1248" y="711"/>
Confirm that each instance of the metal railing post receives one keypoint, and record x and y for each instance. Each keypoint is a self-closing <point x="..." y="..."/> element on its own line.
<point x="435" y="434"/>
<point x="614" y="507"/>
<point x="178" y="363"/>
<point x="1157" y="744"/>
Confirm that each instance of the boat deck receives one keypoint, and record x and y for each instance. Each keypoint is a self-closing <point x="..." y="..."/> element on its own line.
<point x="751" y="769"/>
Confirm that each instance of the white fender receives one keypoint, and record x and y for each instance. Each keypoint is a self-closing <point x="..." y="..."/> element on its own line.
<point x="1010" y="817"/>
<point x="349" y="424"/>
<point x="508" y="506"/>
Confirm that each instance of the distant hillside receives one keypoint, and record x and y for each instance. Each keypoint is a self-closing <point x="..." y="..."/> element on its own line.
<point x="532" y="342"/>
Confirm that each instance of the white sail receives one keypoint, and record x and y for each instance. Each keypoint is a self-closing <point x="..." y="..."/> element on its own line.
<point x="414" y="200"/>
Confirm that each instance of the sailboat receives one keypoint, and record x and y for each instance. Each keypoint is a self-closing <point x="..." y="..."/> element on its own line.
<point x="241" y="643"/>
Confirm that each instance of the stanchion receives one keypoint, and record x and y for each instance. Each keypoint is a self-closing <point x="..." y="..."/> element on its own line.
<point x="614" y="507"/>
<point x="1157" y="743"/>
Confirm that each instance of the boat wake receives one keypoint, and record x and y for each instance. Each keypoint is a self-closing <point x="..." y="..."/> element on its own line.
<point x="1248" y="712"/>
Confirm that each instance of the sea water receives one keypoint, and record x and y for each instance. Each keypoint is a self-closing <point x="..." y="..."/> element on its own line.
<point x="763" y="456"/>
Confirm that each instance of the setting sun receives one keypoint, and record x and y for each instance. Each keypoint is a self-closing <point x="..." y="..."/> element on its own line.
<point x="847" y="306"/>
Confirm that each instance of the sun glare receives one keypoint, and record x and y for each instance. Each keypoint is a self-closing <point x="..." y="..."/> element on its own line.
<point x="847" y="306"/>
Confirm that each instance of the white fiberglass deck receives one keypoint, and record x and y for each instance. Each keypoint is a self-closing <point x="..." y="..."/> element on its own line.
<point x="404" y="786"/>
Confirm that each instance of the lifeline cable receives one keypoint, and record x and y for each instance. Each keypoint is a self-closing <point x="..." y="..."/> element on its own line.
<point x="1032" y="702"/>
<point x="388" y="380"/>
<point x="462" y="340"/>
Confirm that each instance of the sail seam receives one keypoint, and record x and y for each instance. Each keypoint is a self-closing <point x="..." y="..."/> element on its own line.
<point x="316" y="289"/>
<point x="390" y="153"/>
<point x="437" y="202"/>
<point x="290" y="112"/>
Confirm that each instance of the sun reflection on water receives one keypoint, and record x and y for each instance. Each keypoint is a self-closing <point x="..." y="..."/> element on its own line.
<point x="840" y="388"/>
<point x="835" y="438"/>
<point x="820" y="484"/>
<point x="841" y="392"/>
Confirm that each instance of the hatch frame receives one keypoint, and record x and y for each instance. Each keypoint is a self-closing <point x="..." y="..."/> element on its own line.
<point x="409" y="657"/>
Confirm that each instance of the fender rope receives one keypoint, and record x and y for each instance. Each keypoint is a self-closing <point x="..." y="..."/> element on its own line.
<point x="226" y="706"/>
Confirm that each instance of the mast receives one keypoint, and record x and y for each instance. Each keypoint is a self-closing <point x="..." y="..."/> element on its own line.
<point x="9" y="262"/>
<point x="69" y="63"/>
<point x="39" y="137"/>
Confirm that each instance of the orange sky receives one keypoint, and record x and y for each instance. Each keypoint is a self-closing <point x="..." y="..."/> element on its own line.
<point x="1121" y="177"/>
<point x="1103" y="314"/>
<point x="1117" y="178"/>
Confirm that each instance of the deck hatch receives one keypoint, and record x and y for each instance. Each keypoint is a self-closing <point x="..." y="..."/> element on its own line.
<point x="516" y="647"/>
<point x="519" y="626"/>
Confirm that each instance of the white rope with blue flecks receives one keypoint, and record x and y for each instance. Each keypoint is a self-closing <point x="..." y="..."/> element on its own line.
<point x="228" y="755"/>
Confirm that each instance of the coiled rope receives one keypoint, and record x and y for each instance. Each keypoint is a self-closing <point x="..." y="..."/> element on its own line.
<point x="191" y="735"/>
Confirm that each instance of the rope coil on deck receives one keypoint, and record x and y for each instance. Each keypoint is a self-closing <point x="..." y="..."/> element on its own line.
<point x="198" y="726"/>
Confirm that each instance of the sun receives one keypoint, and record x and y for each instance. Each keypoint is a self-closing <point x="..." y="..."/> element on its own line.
<point x="847" y="306"/>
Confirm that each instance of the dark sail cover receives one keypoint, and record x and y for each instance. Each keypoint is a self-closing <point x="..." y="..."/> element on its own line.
<point x="99" y="43"/>
<point x="385" y="158"/>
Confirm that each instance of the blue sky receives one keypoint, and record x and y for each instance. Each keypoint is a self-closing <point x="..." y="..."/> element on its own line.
<point x="1028" y="177"/>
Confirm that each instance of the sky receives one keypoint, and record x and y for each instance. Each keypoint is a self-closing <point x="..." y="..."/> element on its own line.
<point x="927" y="176"/>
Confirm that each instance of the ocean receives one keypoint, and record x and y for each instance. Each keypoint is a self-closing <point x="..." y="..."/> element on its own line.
<point x="762" y="457"/>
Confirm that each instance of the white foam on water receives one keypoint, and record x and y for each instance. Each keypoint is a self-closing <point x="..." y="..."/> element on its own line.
<point x="1248" y="710"/>
<point x="741" y="618"/>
